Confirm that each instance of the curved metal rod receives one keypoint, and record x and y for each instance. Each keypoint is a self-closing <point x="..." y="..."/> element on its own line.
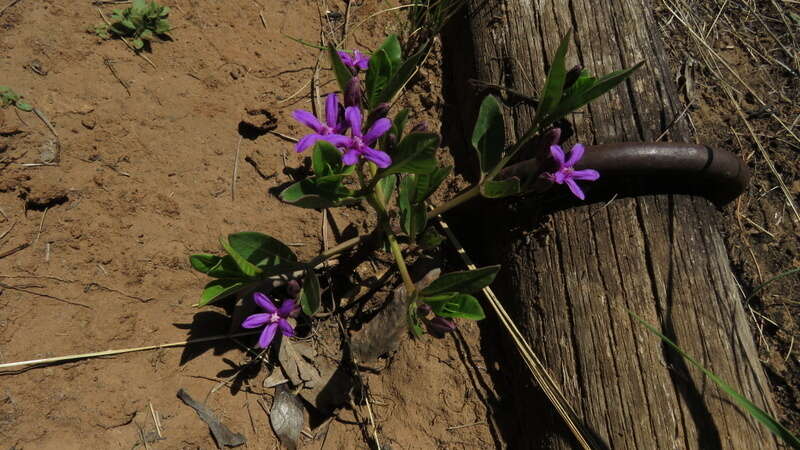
<point x="723" y="174"/>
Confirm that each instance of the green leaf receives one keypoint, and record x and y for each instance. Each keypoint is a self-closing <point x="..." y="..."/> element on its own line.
<point x="413" y="216"/>
<point x="260" y="249"/>
<point x="401" y="77"/>
<point x="218" y="289"/>
<point x="314" y="193"/>
<point x="427" y="183"/>
<point x="343" y="74"/>
<point x="457" y="306"/>
<point x="139" y="7"/>
<point x="387" y="185"/>
<point x="248" y="269"/>
<point x="126" y="24"/>
<point x="164" y="11"/>
<point x="501" y="188"/>
<point x="416" y="153"/>
<point x="464" y="281"/>
<point x="489" y="134"/>
<point x="326" y="159"/>
<point x="399" y="123"/>
<point x="600" y="87"/>
<point x="310" y="294"/>
<point x="147" y="34"/>
<point x="23" y="106"/>
<point x="204" y="262"/>
<point x="138" y="44"/>
<point x="393" y="51"/>
<point x="413" y="320"/>
<point x="584" y="82"/>
<point x="554" y="84"/>
<point x="768" y="421"/>
<point x="162" y="27"/>
<point x="378" y="74"/>
<point x="430" y="239"/>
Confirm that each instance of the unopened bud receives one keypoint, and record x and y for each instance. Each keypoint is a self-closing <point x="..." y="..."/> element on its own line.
<point x="439" y="326"/>
<point x="572" y="76"/>
<point x="353" y="92"/>
<point x="293" y="288"/>
<point x="421" y="127"/>
<point x="423" y="310"/>
<point x="379" y="112"/>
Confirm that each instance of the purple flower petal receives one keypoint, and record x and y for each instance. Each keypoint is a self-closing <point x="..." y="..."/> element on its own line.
<point x="347" y="60"/>
<point x="264" y="302"/>
<point x="575" y="155"/>
<point x="286" y="308"/>
<point x="558" y="154"/>
<point x="308" y="119"/>
<point x="255" y="321"/>
<point x="588" y="175"/>
<point x="267" y="335"/>
<point x="360" y="60"/>
<point x="377" y="130"/>
<point x="307" y="141"/>
<point x="350" y="157"/>
<point x="286" y="327"/>
<point x="560" y="176"/>
<point x="573" y="186"/>
<point x="353" y="116"/>
<point x="380" y="158"/>
<point x="331" y="110"/>
<point x="337" y="140"/>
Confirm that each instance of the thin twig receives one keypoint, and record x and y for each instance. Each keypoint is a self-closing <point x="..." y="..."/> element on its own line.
<point x="42" y="117"/>
<point x="16" y="249"/>
<point x="235" y="168"/>
<point x="7" y="231"/>
<point x="13" y="2"/>
<point x="155" y="420"/>
<point x="62" y="300"/>
<point x="110" y="64"/>
<point x="61" y="359"/>
<point x="41" y="224"/>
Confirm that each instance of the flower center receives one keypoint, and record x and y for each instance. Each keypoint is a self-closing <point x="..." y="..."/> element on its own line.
<point x="358" y="144"/>
<point x="326" y="130"/>
<point x="274" y="317"/>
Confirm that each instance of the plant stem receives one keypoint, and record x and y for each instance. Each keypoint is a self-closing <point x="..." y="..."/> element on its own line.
<point x="383" y="219"/>
<point x="465" y="196"/>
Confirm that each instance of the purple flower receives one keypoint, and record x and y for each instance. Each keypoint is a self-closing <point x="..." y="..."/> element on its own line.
<point x="274" y="319"/>
<point x="330" y="131"/>
<point x="566" y="174"/>
<point x="355" y="61"/>
<point x="359" y="144"/>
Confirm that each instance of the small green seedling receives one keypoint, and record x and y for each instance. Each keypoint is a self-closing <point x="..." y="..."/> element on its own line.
<point x="141" y="22"/>
<point x="9" y="97"/>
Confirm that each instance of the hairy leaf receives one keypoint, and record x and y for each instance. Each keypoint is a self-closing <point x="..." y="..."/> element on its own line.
<point x="465" y="281"/>
<point x="489" y="134"/>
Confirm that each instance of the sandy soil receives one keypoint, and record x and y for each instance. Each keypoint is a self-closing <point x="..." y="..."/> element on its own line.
<point x="143" y="179"/>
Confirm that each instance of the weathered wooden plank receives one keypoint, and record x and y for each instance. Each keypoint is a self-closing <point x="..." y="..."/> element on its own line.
<point x="571" y="273"/>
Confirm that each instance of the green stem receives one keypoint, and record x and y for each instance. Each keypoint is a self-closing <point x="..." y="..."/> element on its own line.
<point x="465" y="196"/>
<point x="375" y="201"/>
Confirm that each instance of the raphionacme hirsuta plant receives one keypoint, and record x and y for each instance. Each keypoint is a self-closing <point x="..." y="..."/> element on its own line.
<point x="362" y="152"/>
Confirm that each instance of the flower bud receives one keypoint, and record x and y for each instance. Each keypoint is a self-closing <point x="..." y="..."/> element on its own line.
<point x="421" y="127"/>
<point x="572" y="76"/>
<point x="293" y="288"/>
<point x="353" y="92"/>
<point x="379" y="112"/>
<point x="439" y="326"/>
<point x="423" y="310"/>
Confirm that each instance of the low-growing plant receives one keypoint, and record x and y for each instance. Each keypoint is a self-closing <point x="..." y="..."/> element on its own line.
<point x="141" y="22"/>
<point x="360" y="155"/>
<point x="8" y="98"/>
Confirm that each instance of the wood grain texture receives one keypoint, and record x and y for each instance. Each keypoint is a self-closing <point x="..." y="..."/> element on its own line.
<point x="570" y="275"/>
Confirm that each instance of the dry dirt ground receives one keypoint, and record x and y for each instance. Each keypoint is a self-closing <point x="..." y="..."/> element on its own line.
<point x="144" y="178"/>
